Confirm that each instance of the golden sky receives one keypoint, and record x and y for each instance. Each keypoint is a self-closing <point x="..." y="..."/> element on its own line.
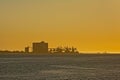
<point x="89" y="25"/>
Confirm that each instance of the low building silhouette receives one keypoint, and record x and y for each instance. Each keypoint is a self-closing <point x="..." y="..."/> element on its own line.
<point x="26" y="49"/>
<point x="41" y="47"/>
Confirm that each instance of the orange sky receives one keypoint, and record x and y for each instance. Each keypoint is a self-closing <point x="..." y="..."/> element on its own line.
<point x="89" y="25"/>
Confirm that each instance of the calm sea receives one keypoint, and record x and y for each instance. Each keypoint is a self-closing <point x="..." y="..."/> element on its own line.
<point x="82" y="67"/>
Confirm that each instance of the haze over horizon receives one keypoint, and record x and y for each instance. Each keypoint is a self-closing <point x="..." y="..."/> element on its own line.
<point x="89" y="25"/>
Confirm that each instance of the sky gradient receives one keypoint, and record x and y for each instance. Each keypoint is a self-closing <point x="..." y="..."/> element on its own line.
<point x="89" y="25"/>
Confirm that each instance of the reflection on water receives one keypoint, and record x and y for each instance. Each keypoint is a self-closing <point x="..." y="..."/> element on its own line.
<point x="71" y="67"/>
<point x="53" y="71"/>
<point x="61" y="68"/>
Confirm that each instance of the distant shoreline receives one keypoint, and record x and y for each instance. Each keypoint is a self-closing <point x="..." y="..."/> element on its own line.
<point x="2" y="55"/>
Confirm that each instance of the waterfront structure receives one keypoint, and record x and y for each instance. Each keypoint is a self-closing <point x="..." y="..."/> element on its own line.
<point x="40" y="47"/>
<point x="26" y="49"/>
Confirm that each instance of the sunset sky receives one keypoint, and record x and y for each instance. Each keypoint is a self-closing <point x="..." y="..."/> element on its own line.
<point x="89" y="25"/>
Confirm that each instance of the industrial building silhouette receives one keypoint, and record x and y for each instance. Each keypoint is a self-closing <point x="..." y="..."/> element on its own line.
<point x="40" y="47"/>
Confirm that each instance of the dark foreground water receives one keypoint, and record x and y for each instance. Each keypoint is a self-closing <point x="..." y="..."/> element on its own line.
<point x="84" y="67"/>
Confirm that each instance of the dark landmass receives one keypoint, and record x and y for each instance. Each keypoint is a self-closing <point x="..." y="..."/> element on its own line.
<point x="21" y="54"/>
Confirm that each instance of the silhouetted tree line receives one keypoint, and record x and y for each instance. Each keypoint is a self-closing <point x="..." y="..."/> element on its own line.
<point x="63" y="50"/>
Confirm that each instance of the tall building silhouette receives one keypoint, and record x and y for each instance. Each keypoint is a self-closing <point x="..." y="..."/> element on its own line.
<point x="40" y="47"/>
